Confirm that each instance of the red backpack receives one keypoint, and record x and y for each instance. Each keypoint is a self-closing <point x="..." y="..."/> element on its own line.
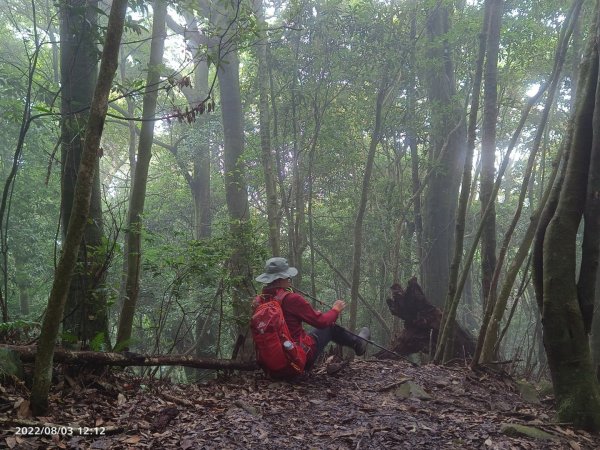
<point x="276" y="352"/>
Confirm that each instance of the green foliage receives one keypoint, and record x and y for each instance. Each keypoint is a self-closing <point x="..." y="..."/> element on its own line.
<point x="18" y="326"/>
<point x="97" y="344"/>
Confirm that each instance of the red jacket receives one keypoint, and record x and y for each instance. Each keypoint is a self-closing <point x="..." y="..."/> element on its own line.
<point x="297" y="310"/>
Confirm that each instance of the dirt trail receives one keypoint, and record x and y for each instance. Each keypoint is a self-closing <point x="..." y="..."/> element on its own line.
<point x="369" y="404"/>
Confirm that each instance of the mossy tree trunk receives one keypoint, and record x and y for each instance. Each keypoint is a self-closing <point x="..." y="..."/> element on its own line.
<point x="79" y="215"/>
<point x="565" y="313"/>
<point x="488" y="336"/>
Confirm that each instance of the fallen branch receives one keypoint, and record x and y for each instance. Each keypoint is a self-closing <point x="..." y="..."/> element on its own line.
<point x="27" y="353"/>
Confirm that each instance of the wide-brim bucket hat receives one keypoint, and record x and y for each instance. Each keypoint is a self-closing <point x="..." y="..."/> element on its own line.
<point x="276" y="268"/>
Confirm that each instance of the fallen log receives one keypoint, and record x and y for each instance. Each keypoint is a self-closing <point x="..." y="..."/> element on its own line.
<point x="422" y="323"/>
<point x="27" y="354"/>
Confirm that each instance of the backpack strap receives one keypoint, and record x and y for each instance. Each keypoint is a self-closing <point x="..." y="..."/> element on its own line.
<point x="281" y="294"/>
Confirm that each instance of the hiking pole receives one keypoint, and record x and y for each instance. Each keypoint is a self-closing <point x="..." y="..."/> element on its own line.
<point x="356" y="335"/>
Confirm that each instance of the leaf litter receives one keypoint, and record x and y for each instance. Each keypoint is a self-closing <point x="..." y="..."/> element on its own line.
<point x="369" y="404"/>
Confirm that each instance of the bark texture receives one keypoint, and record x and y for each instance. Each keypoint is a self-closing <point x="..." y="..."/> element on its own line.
<point x="125" y="359"/>
<point x="493" y="10"/>
<point x="138" y="193"/>
<point x="448" y="145"/>
<point x="564" y="314"/>
<point x="85" y="313"/>
<point x="422" y="322"/>
<point x="83" y="191"/>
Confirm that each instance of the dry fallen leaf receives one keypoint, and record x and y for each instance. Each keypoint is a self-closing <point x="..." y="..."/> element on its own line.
<point x="132" y="440"/>
<point x="186" y="443"/>
<point x="574" y="445"/>
<point x="23" y="411"/>
<point x="121" y="399"/>
<point x="11" y="442"/>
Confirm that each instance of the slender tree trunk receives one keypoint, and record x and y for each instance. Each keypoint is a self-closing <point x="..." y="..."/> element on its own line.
<point x="490" y="337"/>
<point x="459" y="234"/>
<point x="200" y="180"/>
<point x="489" y="333"/>
<point x="265" y="132"/>
<point x="362" y="206"/>
<point x="23" y="284"/>
<point x="411" y="137"/>
<point x="131" y="156"/>
<point x="42" y="375"/>
<point x="138" y="192"/>
<point x="450" y="308"/>
<point x="297" y="214"/>
<point x="488" y="144"/>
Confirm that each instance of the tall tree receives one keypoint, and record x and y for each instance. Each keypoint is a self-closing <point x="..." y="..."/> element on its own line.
<point x="488" y="143"/>
<point x="463" y="201"/>
<point x="497" y="301"/>
<point x="85" y="311"/>
<point x="265" y="130"/>
<point x="448" y="146"/>
<point x="566" y="301"/>
<point x="42" y="375"/>
<point x="383" y="93"/>
<point x="224" y="18"/>
<point x="199" y="177"/>
<point x="138" y="192"/>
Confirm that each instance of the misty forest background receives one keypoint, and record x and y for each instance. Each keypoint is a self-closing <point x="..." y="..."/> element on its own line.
<point x="365" y="141"/>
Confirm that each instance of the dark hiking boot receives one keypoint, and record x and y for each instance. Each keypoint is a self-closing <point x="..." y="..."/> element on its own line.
<point x="360" y="344"/>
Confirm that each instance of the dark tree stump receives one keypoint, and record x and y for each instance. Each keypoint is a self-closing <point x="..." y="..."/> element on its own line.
<point x="422" y="323"/>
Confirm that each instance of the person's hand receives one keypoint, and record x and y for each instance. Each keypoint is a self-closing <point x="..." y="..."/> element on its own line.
<point x="339" y="305"/>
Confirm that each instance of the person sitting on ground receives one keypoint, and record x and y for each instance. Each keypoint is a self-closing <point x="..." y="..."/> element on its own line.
<point x="296" y="310"/>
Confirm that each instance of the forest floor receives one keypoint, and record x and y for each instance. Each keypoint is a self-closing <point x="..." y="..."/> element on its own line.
<point x="368" y="404"/>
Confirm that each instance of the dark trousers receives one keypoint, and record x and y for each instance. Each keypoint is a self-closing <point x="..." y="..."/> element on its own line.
<point x="324" y="336"/>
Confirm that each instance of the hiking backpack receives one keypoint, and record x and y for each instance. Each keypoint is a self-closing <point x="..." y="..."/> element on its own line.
<point x="276" y="352"/>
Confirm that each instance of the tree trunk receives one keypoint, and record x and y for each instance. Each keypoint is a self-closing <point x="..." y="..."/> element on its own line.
<point x="565" y="339"/>
<point x="85" y="313"/>
<point x="362" y="205"/>
<point x="595" y="333"/>
<point x="79" y="215"/>
<point x="463" y="202"/>
<point x="138" y="192"/>
<point x="488" y="144"/>
<point x="132" y="145"/>
<point x="28" y="353"/>
<point x="447" y="131"/>
<point x="411" y="137"/>
<point x="265" y="132"/>
<point x="494" y="312"/>
<point x="22" y="280"/>
<point x="450" y="308"/>
<point x="236" y="191"/>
